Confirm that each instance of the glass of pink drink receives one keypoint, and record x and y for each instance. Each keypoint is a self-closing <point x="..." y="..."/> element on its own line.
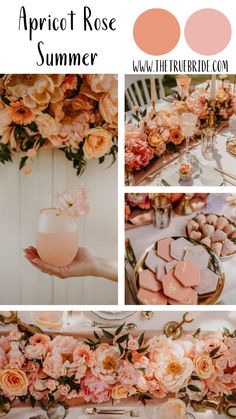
<point x="57" y="237"/>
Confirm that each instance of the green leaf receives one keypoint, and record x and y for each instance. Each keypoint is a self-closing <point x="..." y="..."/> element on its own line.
<point x="5" y="153"/>
<point x="214" y="352"/>
<point x="130" y="358"/>
<point x="5" y="100"/>
<point x="226" y="331"/>
<point x="136" y="117"/>
<point x="186" y="400"/>
<point x="122" y="338"/>
<point x="32" y="401"/>
<point x="197" y="333"/>
<point x="23" y="162"/>
<point x="182" y="390"/>
<point x="108" y="334"/>
<point x="193" y="388"/>
<point x="96" y="335"/>
<point x="101" y="159"/>
<point x="119" y="329"/>
<point x="121" y="349"/>
<point x="194" y="377"/>
<point x="234" y="334"/>
<point x="141" y="350"/>
<point x="140" y="340"/>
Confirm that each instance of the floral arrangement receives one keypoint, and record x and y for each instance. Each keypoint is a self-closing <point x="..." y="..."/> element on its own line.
<point x="155" y="133"/>
<point x="75" y="113"/>
<point x="38" y="368"/>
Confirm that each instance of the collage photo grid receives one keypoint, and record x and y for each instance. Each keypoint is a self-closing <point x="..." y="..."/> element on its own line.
<point x="118" y="232"/>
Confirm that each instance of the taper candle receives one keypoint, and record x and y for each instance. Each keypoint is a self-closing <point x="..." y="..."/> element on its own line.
<point x="213" y="87"/>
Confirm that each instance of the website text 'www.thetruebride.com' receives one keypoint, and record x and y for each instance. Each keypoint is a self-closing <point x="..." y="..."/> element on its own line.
<point x="180" y="66"/>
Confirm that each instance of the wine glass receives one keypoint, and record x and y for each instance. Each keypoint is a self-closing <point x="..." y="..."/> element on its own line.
<point x="188" y="122"/>
<point x="57" y="237"/>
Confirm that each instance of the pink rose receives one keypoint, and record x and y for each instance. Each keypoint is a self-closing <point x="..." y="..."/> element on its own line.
<point x="64" y="389"/>
<point x="102" y="82"/>
<point x="94" y="389"/>
<point x="51" y="385"/>
<point x="62" y="344"/>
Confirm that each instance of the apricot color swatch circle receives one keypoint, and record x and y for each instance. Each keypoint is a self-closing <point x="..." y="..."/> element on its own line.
<point x="208" y="31"/>
<point x="156" y="31"/>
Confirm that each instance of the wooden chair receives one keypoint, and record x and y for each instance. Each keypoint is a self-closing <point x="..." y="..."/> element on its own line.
<point x="138" y="89"/>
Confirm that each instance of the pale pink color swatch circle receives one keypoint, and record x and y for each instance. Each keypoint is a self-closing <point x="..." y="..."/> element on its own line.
<point x="156" y="31"/>
<point x="208" y="31"/>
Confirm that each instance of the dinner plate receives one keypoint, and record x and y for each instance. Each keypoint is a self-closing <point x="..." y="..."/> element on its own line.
<point x="114" y="315"/>
<point x="204" y="176"/>
<point x="214" y="264"/>
<point x="218" y="215"/>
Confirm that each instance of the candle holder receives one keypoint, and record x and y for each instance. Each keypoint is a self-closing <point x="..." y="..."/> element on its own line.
<point x="208" y="136"/>
<point x="11" y="319"/>
<point x="184" y="206"/>
<point x="174" y="330"/>
<point x="211" y="119"/>
<point x="154" y="106"/>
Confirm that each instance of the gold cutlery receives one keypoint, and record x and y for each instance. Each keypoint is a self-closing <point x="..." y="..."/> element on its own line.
<point x="127" y="326"/>
<point x="225" y="173"/>
<point x="95" y="411"/>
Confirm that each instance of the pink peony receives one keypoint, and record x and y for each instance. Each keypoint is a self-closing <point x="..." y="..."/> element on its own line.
<point x="142" y="201"/>
<point x="127" y="374"/>
<point x="105" y="363"/>
<point x="94" y="389"/>
<point x="142" y="152"/>
<point x="53" y="366"/>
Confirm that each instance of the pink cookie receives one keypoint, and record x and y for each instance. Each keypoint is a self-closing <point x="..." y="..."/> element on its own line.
<point x="173" y="289"/>
<point x="163" y="248"/>
<point x="192" y="298"/>
<point x="208" y="283"/>
<point x="147" y="280"/>
<point x="152" y="298"/>
<point x="198" y="255"/>
<point x="161" y="270"/>
<point x="187" y="273"/>
<point x="170" y="266"/>
<point x="152" y="260"/>
<point x="179" y="247"/>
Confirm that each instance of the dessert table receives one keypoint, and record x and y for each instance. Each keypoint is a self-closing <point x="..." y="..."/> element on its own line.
<point x="143" y="236"/>
<point x="154" y="172"/>
<point x="79" y="326"/>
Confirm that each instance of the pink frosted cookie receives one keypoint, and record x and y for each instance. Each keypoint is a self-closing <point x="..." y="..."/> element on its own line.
<point x="195" y="235"/>
<point x="208" y="230"/>
<point x="152" y="260"/>
<point x="187" y="273"/>
<point x="206" y="241"/>
<point x="163" y="248"/>
<point x="211" y="219"/>
<point x="192" y="226"/>
<point x="147" y="280"/>
<point x="161" y="270"/>
<point x="192" y="298"/>
<point x="179" y="247"/>
<point x="170" y="266"/>
<point x="228" y="248"/>
<point x="148" y="297"/>
<point x="217" y="247"/>
<point x="208" y="283"/>
<point x="218" y="236"/>
<point x="173" y="289"/>
<point x="229" y="229"/>
<point x="198" y="255"/>
<point x="201" y="219"/>
<point x="222" y="222"/>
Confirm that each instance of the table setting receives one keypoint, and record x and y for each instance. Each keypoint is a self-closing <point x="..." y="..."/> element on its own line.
<point x="180" y="249"/>
<point x="51" y="365"/>
<point x="185" y="139"/>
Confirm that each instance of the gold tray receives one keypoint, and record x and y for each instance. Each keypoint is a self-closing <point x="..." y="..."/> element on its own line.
<point x="214" y="264"/>
<point x="218" y="215"/>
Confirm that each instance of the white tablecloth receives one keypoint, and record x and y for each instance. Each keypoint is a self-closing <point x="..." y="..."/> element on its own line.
<point x="142" y="237"/>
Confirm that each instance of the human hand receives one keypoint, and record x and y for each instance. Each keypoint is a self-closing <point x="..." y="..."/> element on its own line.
<point x="84" y="264"/>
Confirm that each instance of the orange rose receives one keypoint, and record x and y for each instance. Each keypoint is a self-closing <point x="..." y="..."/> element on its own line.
<point x="154" y="139"/>
<point x="122" y="392"/>
<point x="108" y="109"/>
<point x="14" y="382"/>
<point x="203" y="366"/>
<point x="97" y="143"/>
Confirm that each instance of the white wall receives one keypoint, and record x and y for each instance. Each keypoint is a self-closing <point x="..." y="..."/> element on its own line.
<point x="22" y="197"/>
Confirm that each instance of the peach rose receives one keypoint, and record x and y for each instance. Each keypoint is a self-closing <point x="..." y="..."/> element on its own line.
<point x="108" y="108"/>
<point x="122" y="391"/>
<point x="203" y="365"/>
<point x="97" y="144"/>
<point x="102" y="82"/>
<point x="14" y="382"/>
<point x="154" y="139"/>
<point x="47" y="125"/>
